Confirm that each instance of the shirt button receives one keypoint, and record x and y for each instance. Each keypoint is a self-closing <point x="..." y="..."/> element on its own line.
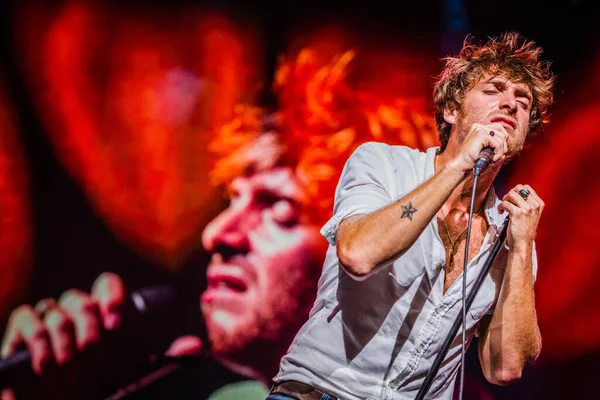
<point x="439" y="265"/>
<point x="392" y="385"/>
<point x="419" y="349"/>
<point x="438" y="310"/>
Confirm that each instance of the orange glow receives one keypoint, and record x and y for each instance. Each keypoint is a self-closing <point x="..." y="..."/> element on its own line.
<point x="128" y="97"/>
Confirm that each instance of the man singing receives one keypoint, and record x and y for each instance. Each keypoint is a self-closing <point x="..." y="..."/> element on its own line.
<point x="389" y="293"/>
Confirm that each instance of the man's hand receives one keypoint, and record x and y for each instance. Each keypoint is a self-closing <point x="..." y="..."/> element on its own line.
<point x="478" y="137"/>
<point x="61" y="335"/>
<point x="524" y="216"/>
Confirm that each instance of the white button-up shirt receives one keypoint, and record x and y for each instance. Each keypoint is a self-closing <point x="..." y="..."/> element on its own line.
<point x="378" y="337"/>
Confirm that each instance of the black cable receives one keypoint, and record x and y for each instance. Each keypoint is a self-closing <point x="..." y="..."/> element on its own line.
<point x="464" y="289"/>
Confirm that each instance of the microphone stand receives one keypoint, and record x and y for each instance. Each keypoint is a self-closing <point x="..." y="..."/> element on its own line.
<point x="457" y="322"/>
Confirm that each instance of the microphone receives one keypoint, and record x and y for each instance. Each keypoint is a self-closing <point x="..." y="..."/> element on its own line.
<point x="485" y="157"/>
<point x="152" y="318"/>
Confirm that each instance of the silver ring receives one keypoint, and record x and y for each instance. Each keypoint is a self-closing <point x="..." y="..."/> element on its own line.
<point x="524" y="193"/>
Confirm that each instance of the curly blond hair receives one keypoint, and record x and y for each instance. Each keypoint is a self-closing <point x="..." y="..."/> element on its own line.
<point x="320" y="121"/>
<point x="508" y="54"/>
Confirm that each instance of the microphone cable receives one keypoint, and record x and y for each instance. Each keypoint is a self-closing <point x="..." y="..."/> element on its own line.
<point x="464" y="285"/>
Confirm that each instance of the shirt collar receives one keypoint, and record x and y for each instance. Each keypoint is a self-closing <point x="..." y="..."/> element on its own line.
<point x="494" y="218"/>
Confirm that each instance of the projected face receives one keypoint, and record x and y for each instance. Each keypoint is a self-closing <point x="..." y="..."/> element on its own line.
<point x="265" y="263"/>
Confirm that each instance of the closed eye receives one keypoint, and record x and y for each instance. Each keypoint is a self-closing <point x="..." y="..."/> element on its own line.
<point x="267" y="198"/>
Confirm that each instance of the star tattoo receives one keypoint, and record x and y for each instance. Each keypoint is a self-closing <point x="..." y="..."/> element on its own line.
<point x="408" y="211"/>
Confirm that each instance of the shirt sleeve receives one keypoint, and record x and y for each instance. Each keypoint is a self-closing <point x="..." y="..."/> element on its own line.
<point x="362" y="187"/>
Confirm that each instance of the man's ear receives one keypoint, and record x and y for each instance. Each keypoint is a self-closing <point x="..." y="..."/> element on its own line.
<point x="450" y="115"/>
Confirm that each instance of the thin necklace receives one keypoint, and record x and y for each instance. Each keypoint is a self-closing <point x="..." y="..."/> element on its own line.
<point x="453" y="242"/>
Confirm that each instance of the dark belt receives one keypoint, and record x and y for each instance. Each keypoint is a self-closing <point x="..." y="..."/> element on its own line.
<point x="300" y="390"/>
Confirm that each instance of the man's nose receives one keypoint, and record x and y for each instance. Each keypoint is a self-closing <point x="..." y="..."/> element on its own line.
<point x="508" y="102"/>
<point x="229" y="229"/>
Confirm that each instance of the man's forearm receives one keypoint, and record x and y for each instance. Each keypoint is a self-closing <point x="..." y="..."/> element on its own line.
<point x="513" y="339"/>
<point x="367" y="241"/>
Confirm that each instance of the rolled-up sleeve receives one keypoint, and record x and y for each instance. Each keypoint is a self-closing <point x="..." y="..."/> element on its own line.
<point x="362" y="187"/>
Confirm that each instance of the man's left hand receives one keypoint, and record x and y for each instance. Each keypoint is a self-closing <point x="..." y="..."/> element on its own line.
<point x="524" y="207"/>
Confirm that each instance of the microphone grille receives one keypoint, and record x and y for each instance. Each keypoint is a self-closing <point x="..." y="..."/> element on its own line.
<point x="154" y="298"/>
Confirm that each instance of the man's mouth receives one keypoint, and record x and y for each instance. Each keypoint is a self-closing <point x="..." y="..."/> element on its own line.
<point x="506" y="121"/>
<point x="228" y="285"/>
<point x="226" y="281"/>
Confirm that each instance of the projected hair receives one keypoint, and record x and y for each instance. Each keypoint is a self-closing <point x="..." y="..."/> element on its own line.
<point x="320" y="121"/>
